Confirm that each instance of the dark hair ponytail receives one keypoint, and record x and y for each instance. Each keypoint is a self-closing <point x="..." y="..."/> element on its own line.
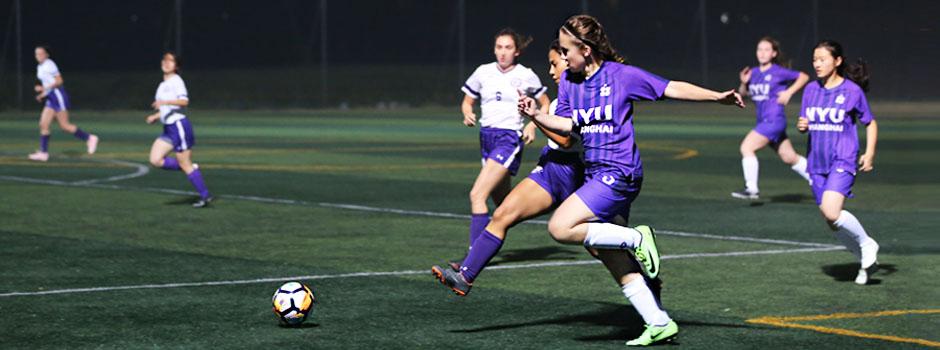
<point x="590" y="32"/>
<point x="857" y="72"/>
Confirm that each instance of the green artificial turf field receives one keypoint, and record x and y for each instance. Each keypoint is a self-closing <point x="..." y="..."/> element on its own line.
<point x="102" y="252"/>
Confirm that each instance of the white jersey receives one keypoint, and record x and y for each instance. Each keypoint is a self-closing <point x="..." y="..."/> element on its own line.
<point x="171" y="89"/>
<point x="498" y="93"/>
<point x="575" y="145"/>
<point x="46" y="72"/>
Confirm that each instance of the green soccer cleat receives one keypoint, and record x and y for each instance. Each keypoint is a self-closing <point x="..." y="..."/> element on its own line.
<point x="647" y="253"/>
<point x="655" y="334"/>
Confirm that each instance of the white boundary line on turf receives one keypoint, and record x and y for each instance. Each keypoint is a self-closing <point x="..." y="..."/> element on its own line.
<point x="394" y="210"/>
<point x="394" y="273"/>
<point x="141" y="170"/>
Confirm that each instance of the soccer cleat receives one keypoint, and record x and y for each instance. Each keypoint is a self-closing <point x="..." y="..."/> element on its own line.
<point x="203" y="202"/>
<point x="869" y="262"/>
<point x="92" y="144"/>
<point x="746" y="194"/>
<point x="655" y="334"/>
<point x="647" y="253"/>
<point x="39" y="156"/>
<point x="452" y="279"/>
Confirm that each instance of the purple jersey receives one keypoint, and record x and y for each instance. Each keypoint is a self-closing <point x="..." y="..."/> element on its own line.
<point x="832" y="114"/>
<point x="764" y="87"/>
<point x="601" y="108"/>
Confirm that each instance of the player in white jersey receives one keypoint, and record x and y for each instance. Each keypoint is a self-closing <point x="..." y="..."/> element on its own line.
<point x="170" y="102"/>
<point x="51" y="92"/>
<point x="502" y="135"/>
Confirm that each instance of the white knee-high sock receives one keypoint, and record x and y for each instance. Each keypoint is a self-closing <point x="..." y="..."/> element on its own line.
<point x="645" y="304"/>
<point x="851" y="233"/>
<point x="751" y="169"/>
<point x="610" y="236"/>
<point x="800" y="168"/>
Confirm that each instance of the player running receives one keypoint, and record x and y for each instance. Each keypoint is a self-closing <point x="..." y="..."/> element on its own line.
<point x="770" y="86"/>
<point x="56" y="106"/>
<point x="496" y="85"/>
<point x="170" y="102"/>
<point x="832" y="107"/>
<point x="598" y="92"/>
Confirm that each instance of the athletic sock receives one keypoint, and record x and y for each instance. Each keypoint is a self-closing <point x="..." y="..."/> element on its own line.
<point x="81" y="134"/>
<point x="195" y="178"/>
<point x="851" y="233"/>
<point x="800" y="168"/>
<point x="478" y="223"/>
<point x="645" y="304"/>
<point x="610" y="236"/>
<point x="44" y="143"/>
<point x="170" y="163"/>
<point x="751" y="168"/>
<point x="484" y="248"/>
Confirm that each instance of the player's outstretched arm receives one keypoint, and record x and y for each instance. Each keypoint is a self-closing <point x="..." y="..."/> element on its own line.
<point x="681" y="90"/>
<point x="867" y="161"/>
<point x="527" y="108"/>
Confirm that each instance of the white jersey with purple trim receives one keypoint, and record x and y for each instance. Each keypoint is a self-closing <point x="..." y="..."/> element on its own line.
<point x="171" y="89"/>
<point x="46" y="72"/>
<point x="576" y="143"/>
<point x="498" y="93"/>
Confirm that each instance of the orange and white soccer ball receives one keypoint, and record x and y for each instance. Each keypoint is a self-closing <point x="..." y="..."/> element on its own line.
<point x="293" y="302"/>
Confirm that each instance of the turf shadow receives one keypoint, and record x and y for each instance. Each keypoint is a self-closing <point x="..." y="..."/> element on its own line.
<point x="536" y="254"/>
<point x="187" y="200"/>
<point x="847" y="272"/>
<point x="790" y="198"/>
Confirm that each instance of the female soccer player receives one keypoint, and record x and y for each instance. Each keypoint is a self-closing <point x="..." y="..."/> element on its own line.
<point x="559" y="172"/>
<point x="598" y="91"/>
<point x="770" y="86"/>
<point x="170" y="103"/>
<point x="832" y="105"/>
<point x="496" y="85"/>
<point x="52" y="91"/>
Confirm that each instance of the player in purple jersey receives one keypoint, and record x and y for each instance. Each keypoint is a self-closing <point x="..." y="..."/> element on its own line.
<point x="770" y="86"/>
<point x="170" y="102"/>
<point x="559" y="173"/>
<point x="832" y="107"/>
<point x="598" y="92"/>
<point x="502" y="135"/>
<point x="56" y="105"/>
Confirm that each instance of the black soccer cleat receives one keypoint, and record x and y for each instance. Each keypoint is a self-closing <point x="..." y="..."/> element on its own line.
<point x="452" y="279"/>
<point x="203" y="202"/>
<point x="745" y="194"/>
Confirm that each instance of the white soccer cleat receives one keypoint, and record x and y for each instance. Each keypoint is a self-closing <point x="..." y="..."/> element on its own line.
<point x="39" y="156"/>
<point x="92" y="144"/>
<point x="869" y="262"/>
<point x="862" y="278"/>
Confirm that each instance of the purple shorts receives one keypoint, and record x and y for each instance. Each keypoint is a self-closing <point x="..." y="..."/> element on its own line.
<point x="179" y="134"/>
<point x="58" y="100"/>
<point x="609" y="194"/>
<point x="837" y="181"/>
<point x="559" y="173"/>
<point x="503" y="146"/>
<point x="775" y="131"/>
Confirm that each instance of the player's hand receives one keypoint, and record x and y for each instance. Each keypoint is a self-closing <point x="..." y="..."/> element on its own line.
<point x="784" y="97"/>
<point x="40" y="97"/>
<point x="731" y="97"/>
<point x="527" y="106"/>
<point x="802" y="124"/>
<point x="528" y="135"/>
<point x="745" y="75"/>
<point x="37" y="88"/>
<point x="866" y="162"/>
<point x="153" y="118"/>
<point x="470" y="120"/>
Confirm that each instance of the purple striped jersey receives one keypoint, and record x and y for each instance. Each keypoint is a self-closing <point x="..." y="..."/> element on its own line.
<point x="833" y="114"/>
<point x="601" y="108"/>
<point x="764" y="88"/>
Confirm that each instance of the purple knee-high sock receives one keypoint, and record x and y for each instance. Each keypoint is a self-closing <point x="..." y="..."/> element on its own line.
<point x="195" y="178"/>
<point x="170" y="163"/>
<point x="81" y="134"/>
<point x="484" y="248"/>
<point x="478" y="223"/>
<point x="44" y="143"/>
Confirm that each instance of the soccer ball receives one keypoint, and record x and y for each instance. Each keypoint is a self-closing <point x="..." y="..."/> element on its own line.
<point x="293" y="302"/>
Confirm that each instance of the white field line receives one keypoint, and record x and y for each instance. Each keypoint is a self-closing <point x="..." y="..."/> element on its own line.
<point x="393" y="273"/>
